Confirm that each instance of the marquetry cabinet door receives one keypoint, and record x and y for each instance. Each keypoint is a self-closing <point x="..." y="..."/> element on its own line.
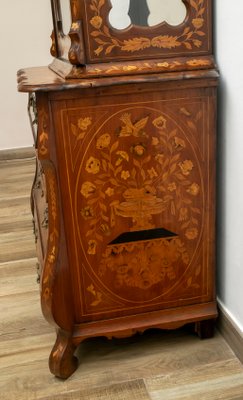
<point x="136" y="170"/>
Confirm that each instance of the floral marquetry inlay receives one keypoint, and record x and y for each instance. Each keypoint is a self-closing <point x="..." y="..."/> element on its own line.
<point x="81" y="128"/>
<point x="127" y="183"/>
<point x="143" y="175"/>
<point x="144" y="264"/>
<point x="189" y="38"/>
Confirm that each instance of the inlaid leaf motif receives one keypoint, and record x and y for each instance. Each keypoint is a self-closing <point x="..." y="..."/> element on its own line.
<point x="136" y="44"/>
<point x="187" y="45"/>
<point x="99" y="50"/>
<point x="101" y="3"/>
<point x="201" y="12"/>
<point x="114" y="147"/>
<point x="166" y="42"/>
<point x="97" y="295"/>
<point x="192" y="280"/>
<point x="136" y="163"/>
<point x="194" y="4"/>
<point x="118" y="170"/>
<point x="74" y="130"/>
<point x="200" y="33"/>
<point x="109" y="49"/>
<point x="95" y="33"/>
<point x="100" y="41"/>
<point x="197" y="42"/>
<point x="104" y="165"/>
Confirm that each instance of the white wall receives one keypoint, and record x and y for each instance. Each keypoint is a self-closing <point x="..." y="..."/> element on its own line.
<point x="25" y="27"/>
<point x="228" y="35"/>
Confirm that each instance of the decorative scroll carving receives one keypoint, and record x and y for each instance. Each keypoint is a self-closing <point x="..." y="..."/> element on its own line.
<point x="62" y="362"/>
<point x="53" y="49"/>
<point x="74" y="8"/>
<point x="76" y="51"/>
<point x="67" y="46"/>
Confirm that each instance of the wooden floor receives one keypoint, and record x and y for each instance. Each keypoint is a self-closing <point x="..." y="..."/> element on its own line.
<point x="157" y="365"/>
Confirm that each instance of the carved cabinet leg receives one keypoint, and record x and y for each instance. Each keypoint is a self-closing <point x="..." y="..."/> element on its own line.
<point x="62" y="362"/>
<point x="205" y="329"/>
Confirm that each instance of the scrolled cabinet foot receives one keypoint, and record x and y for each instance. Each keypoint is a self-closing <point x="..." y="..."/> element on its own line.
<point x="62" y="362"/>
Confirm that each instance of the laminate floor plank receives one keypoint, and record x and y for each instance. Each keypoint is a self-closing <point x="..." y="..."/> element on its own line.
<point x="18" y="192"/>
<point x="213" y="381"/>
<point x="13" y="170"/>
<point x="28" y="326"/>
<point x="118" y="362"/>
<point x="18" y="277"/>
<point x="15" y="307"/>
<point x="167" y="365"/>
<point x="15" y="214"/>
<point x="11" y="352"/>
<point x="223" y="388"/>
<point x="16" y="178"/>
<point x="135" y="390"/>
<point x="22" y="242"/>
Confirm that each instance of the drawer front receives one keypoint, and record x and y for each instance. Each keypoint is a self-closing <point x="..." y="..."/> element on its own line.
<point x="138" y="194"/>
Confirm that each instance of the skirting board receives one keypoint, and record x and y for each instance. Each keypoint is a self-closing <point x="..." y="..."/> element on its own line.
<point x="17" y="154"/>
<point x="230" y="332"/>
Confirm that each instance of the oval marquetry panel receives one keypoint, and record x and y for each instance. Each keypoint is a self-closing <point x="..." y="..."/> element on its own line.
<point x="139" y="202"/>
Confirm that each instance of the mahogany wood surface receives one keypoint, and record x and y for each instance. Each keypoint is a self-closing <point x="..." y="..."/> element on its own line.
<point x="124" y="193"/>
<point x="78" y="285"/>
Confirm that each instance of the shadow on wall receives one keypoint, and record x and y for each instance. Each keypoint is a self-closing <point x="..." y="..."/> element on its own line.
<point x="221" y="236"/>
<point x="220" y="181"/>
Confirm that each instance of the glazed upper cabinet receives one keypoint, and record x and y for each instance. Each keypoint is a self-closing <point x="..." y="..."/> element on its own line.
<point x="146" y="35"/>
<point x="124" y="194"/>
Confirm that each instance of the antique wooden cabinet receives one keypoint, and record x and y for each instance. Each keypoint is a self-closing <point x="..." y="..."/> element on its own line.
<point x="124" y="194"/>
